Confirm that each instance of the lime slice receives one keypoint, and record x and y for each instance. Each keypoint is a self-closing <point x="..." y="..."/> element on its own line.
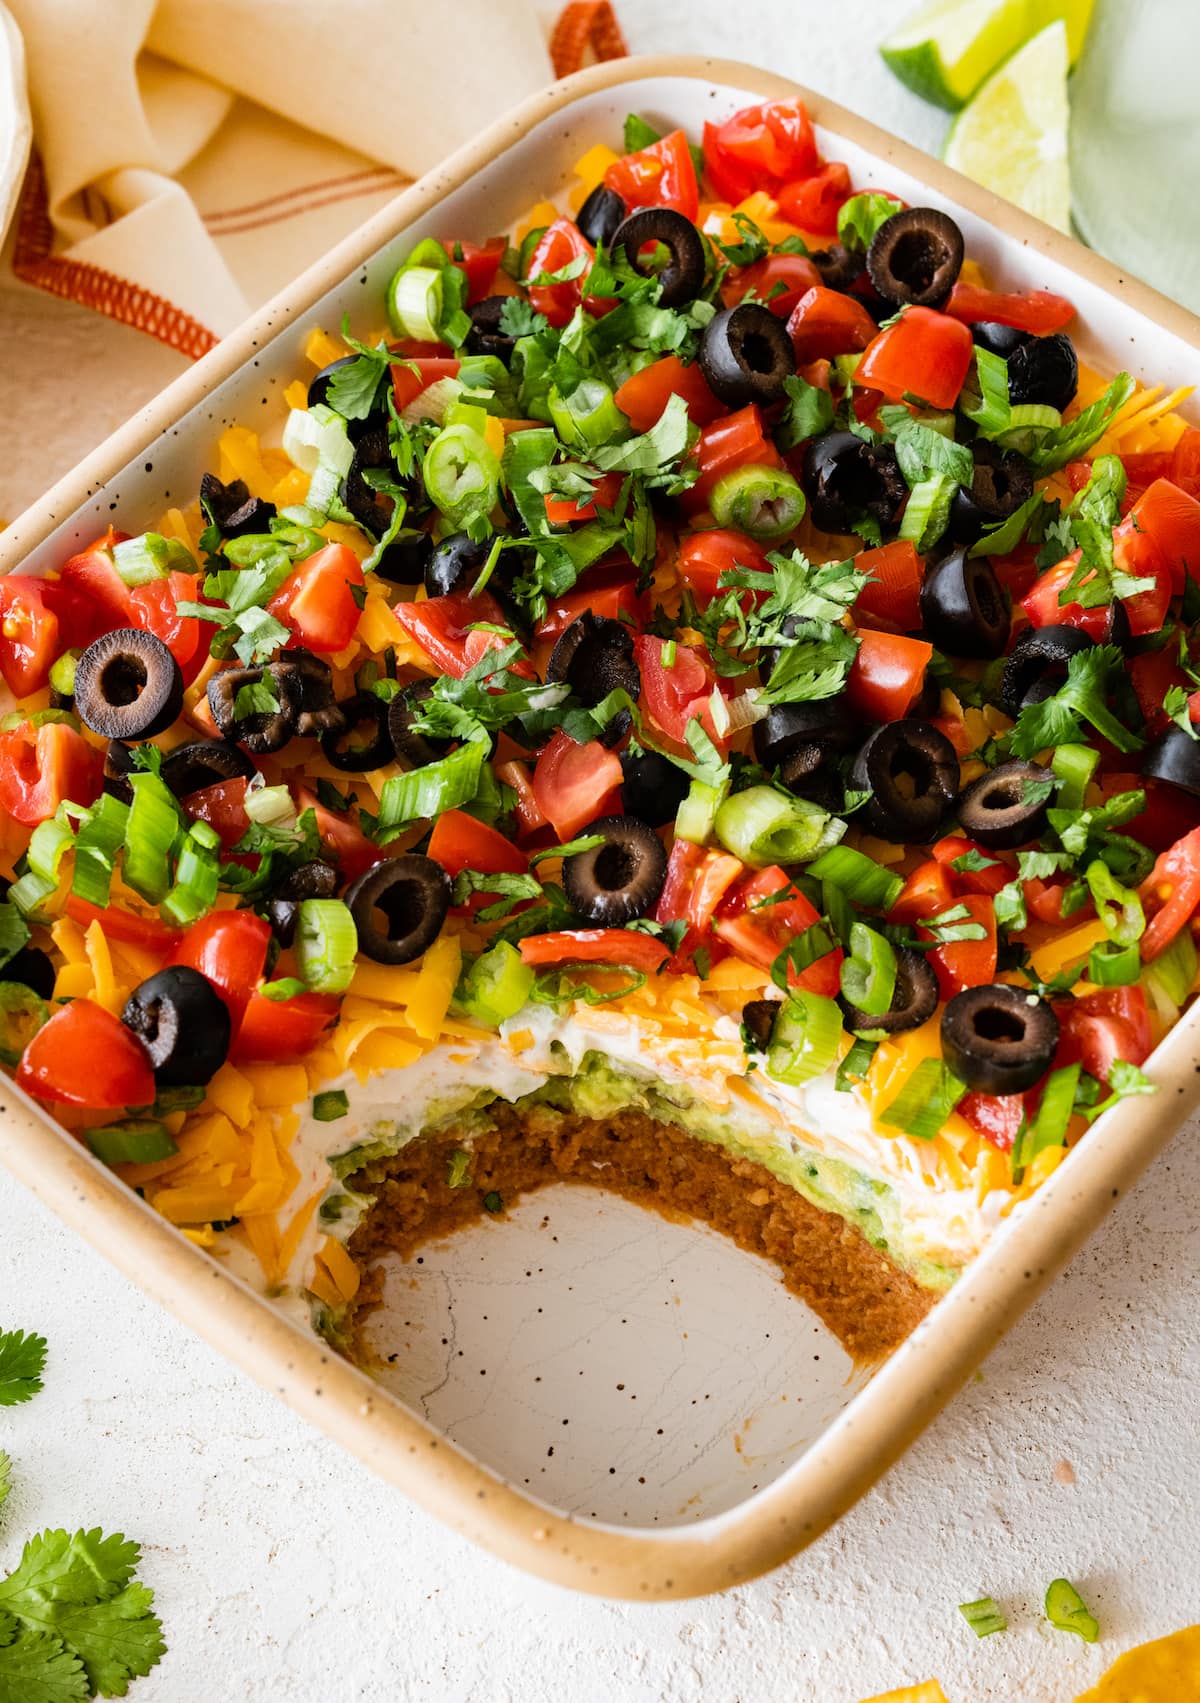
<point x="1013" y="136"/>
<point x="946" y="48"/>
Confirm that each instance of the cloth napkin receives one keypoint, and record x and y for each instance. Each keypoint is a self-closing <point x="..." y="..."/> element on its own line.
<point x="190" y="156"/>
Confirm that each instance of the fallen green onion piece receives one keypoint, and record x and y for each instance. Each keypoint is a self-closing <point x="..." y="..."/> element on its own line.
<point x="22" y="1013"/>
<point x="97" y="843"/>
<point x="150" y="557"/>
<point x="696" y="817"/>
<point x="150" y="833"/>
<point x="1049" y="1125"/>
<point x="1119" y="908"/>
<point x="27" y="893"/>
<point x="137" y="1141"/>
<point x="927" y="512"/>
<point x="1066" y="1609"/>
<point x="868" y="975"/>
<point x="926" y="1100"/>
<point x="765" y="502"/>
<point x="1028" y="423"/>
<point x="496" y="986"/>
<point x="287" y="987"/>
<point x="1074" y="765"/>
<point x="588" y="416"/>
<point x="762" y="826"/>
<point x="859" y="877"/>
<point x="269" y="805"/>
<point x="326" y="945"/>
<point x="855" y="1065"/>
<point x="805" y="1037"/>
<point x="330" y="1105"/>
<point x="983" y="1616"/>
<point x="421" y="794"/>
<point x="49" y="843"/>
<point x="197" y="874"/>
<point x="414" y="304"/>
<point x="492" y="1202"/>
<point x="462" y="476"/>
<point x="1111" y="966"/>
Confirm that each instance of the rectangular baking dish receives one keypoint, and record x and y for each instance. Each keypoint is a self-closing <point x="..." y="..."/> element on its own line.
<point x="754" y="1431"/>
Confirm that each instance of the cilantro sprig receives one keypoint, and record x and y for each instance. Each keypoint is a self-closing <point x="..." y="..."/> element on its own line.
<point x="22" y="1362"/>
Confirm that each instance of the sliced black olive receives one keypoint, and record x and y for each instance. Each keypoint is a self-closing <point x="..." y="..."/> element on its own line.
<point x="915" y="257"/>
<point x="1174" y="756"/>
<point x="620" y="880"/>
<point x="407" y="556"/>
<point x="910" y="769"/>
<point x="313" y="880"/>
<point x="487" y="336"/>
<point x="33" y="969"/>
<point x="457" y="562"/>
<point x="758" y="1019"/>
<point x="118" y="765"/>
<point x="998" y="339"/>
<point x="345" y="748"/>
<point x="601" y="215"/>
<point x="399" y="907"/>
<point x="929" y="699"/>
<point x="839" y="266"/>
<point x="787" y="728"/>
<point x="682" y="278"/>
<point x="128" y="685"/>
<point x="1037" y="664"/>
<point x="843" y="478"/>
<point x="913" y="1002"/>
<point x="999" y="1039"/>
<point x="204" y="762"/>
<point x="652" y="787"/>
<point x="812" y="772"/>
<point x="996" y="809"/>
<point x="746" y="354"/>
<point x="183" y="1023"/>
<point x="231" y="508"/>
<point x="405" y="708"/>
<point x="318" y="393"/>
<point x="999" y="485"/>
<point x="594" y="655"/>
<point x="283" y="915"/>
<point x="318" y="713"/>
<point x="1045" y="370"/>
<point x="962" y="606"/>
<point x="264" y="730"/>
<point x="371" y="509"/>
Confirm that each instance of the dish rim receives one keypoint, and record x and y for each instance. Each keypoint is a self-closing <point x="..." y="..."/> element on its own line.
<point x="776" y="1522"/>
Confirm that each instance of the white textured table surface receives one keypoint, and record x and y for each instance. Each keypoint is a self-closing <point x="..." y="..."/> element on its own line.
<point x="284" y="1571"/>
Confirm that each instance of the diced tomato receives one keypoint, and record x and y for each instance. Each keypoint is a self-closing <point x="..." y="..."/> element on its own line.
<point x="1136" y="553"/>
<point x="1173" y="889"/>
<point x="29" y="635"/>
<point x="1185" y="462"/>
<point x="1140" y="473"/>
<point x="564" y="511"/>
<point x="771" y="141"/>
<point x="644" y="396"/>
<point x="758" y="930"/>
<point x="661" y="175"/>
<point x="674" y="696"/>
<point x="411" y="377"/>
<point x="619" y="946"/>
<point x="148" y="933"/>
<point x="1099" y="1028"/>
<point x="777" y="280"/>
<point x="40" y="767"/>
<point x="1044" y="899"/>
<point x="610" y="591"/>
<point x="480" y="262"/>
<point x="571" y="782"/>
<point x="84" y="1056"/>
<point x="562" y="244"/>
<point x="153" y="608"/>
<point x="989" y="880"/>
<point x="923" y="354"/>
<point x="825" y="323"/>
<point x="696" y="883"/>
<point x="317" y="600"/>
<point x="442" y="628"/>
<point x="888" y="674"/>
<point x="813" y="202"/>
<point x="230" y="948"/>
<point x="1041" y="603"/>
<point x="1017" y="571"/>
<point x="1169" y="814"/>
<point x="736" y="440"/>
<point x="1153" y="673"/>
<point x="91" y="572"/>
<point x="1170" y="518"/>
<point x="223" y="807"/>
<point x="891" y="595"/>
<point x="705" y="556"/>
<point x="1039" y="311"/>
<point x="459" y="842"/>
<point x="341" y="838"/>
<point x="968" y="963"/>
<point x="927" y="892"/>
<point x="277" y="1030"/>
<point x="528" y="811"/>
<point x="996" y="1117"/>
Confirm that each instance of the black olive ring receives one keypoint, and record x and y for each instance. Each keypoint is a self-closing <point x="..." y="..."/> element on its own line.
<point x="399" y="907"/>
<point x="682" y="278"/>
<point x="128" y="685"/>
<point x="183" y="1023"/>
<point x="746" y="355"/>
<point x="999" y="1039"/>
<point x="915" y="752"/>
<point x="618" y="881"/>
<point x="338" y="747"/>
<point x="595" y="656"/>
<point x="1002" y="809"/>
<point x="915" y="257"/>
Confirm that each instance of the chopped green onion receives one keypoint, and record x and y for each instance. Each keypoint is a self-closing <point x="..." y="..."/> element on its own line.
<point x="805" y="1037"/>
<point x="1066" y="1609"/>
<point x="1171" y="974"/>
<point x="926" y="1100"/>
<point x="1074" y="765"/>
<point x="1119" y="908"/>
<point x="1027" y="423"/>
<point x="26" y="895"/>
<point x="424" y="793"/>
<point x="837" y="907"/>
<point x="62" y="673"/>
<point x="269" y="806"/>
<point x="983" y="1616"/>
<point x="1049" y="1126"/>
<point x="496" y="986"/>
<point x="762" y="825"/>
<point x="868" y="977"/>
<point x="765" y="502"/>
<point x="136" y="1141"/>
<point x="492" y="1202"/>
<point x="696" y="817"/>
<point x="151" y="557"/>
<point x="668" y="654"/>
<point x="459" y="1174"/>
<point x="97" y="843"/>
<point x="151" y="830"/>
<point x="287" y="987"/>
<point x="326" y="945"/>
<point x="22" y="1013"/>
<point x="927" y="512"/>
<point x="414" y="303"/>
<point x="462" y="476"/>
<point x="331" y="1105"/>
<point x="1111" y="966"/>
<point x="315" y="439"/>
<point x="182" y="1099"/>
<point x="855" y="1065"/>
<point x="197" y="874"/>
<point x="859" y="877"/>
<point x="588" y="416"/>
<point x="49" y="843"/>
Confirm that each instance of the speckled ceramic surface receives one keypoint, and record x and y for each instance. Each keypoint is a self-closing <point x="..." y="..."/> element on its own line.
<point x="714" y="1427"/>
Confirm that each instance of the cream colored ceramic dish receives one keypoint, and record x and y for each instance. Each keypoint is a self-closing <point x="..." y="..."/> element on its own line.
<point x="753" y="1432"/>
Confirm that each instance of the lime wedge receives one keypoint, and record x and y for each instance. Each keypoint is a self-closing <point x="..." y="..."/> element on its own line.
<point x="946" y="48"/>
<point x="1013" y="136"/>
